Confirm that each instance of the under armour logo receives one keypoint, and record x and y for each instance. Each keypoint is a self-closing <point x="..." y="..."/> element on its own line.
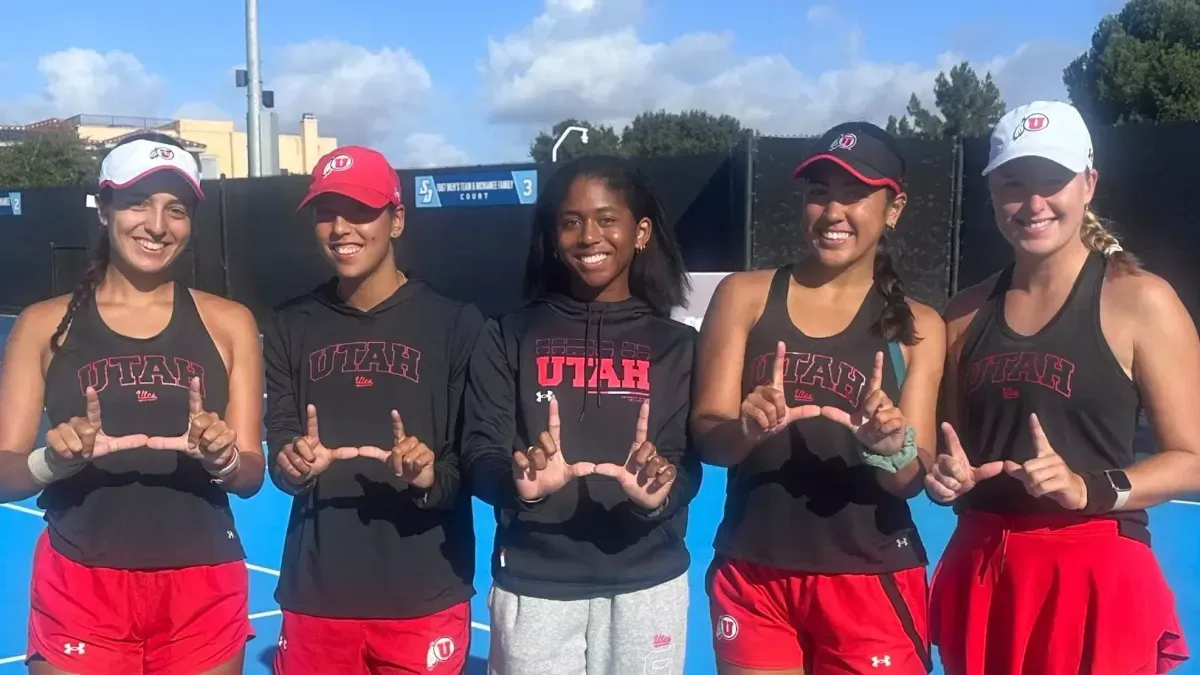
<point x="230" y="534"/>
<point x="885" y="661"/>
<point x="283" y="643"/>
<point x="74" y="649"/>
<point x="543" y="396"/>
<point x="902" y="542"/>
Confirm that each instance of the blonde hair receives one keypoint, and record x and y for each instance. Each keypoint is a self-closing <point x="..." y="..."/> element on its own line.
<point x="1097" y="237"/>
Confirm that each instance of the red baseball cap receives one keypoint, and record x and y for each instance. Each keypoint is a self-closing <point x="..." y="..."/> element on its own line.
<point x="362" y="174"/>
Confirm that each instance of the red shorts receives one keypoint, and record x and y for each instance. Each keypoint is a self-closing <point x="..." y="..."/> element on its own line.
<point x="771" y="619"/>
<point x="100" y="620"/>
<point x="1051" y="595"/>
<point x="435" y="644"/>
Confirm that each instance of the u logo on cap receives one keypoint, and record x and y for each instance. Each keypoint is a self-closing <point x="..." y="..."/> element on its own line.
<point x="339" y="163"/>
<point x="844" y="142"/>
<point x="1034" y="122"/>
<point x="165" y="153"/>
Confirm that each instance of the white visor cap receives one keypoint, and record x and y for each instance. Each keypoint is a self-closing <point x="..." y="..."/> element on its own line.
<point x="1052" y="130"/>
<point x="129" y="163"/>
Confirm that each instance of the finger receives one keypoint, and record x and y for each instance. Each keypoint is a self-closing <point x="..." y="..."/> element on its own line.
<point x="776" y="405"/>
<point x="81" y="430"/>
<point x="222" y="441"/>
<point x="198" y="428"/>
<point x="643" y="423"/>
<point x="1015" y="470"/>
<point x="130" y="442"/>
<point x="548" y="444"/>
<point x="55" y="441"/>
<point x="1049" y="485"/>
<point x="1053" y="462"/>
<point x="876" y="401"/>
<point x="953" y="445"/>
<point x="581" y="469"/>
<point x="662" y="479"/>
<point x="803" y="412"/>
<point x="195" y="398"/>
<point x="288" y="468"/>
<point x="417" y="460"/>
<point x="650" y="470"/>
<point x="876" y="383"/>
<point x="553" y="425"/>
<point x="760" y="416"/>
<point x="938" y="492"/>
<point x="1041" y="444"/>
<point x="959" y="471"/>
<point x="948" y="482"/>
<point x="397" y="427"/>
<point x="310" y="423"/>
<point x="305" y="450"/>
<point x="777" y="366"/>
<point x="521" y="460"/>
<point x="838" y="415"/>
<point x="641" y="456"/>
<point x="609" y="469"/>
<point x="293" y="455"/>
<point x="988" y="470"/>
<point x="368" y="451"/>
<point x="93" y="407"/>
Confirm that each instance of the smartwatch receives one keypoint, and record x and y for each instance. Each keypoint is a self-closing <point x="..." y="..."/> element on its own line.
<point x="1120" y="483"/>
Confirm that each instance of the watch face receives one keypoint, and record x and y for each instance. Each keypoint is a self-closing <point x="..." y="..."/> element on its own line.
<point x="1119" y="480"/>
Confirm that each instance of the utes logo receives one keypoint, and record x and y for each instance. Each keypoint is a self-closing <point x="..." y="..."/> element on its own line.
<point x="845" y="142"/>
<point x="164" y="153"/>
<point x="339" y="163"/>
<point x="1034" y="122"/>
<point x="727" y="627"/>
<point x="440" y="651"/>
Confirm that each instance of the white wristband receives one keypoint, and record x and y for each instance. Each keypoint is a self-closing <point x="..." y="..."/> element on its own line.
<point x="47" y="466"/>
<point x="227" y="470"/>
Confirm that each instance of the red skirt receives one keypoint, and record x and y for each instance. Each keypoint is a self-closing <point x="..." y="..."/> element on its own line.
<point x="1053" y="596"/>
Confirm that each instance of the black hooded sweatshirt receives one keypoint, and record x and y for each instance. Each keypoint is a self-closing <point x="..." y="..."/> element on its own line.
<point x="361" y="543"/>
<point x="588" y="539"/>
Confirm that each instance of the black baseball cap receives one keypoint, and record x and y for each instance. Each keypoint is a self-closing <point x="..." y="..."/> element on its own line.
<point x="867" y="152"/>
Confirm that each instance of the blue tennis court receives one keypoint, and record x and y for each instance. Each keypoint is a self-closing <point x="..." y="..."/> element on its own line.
<point x="261" y="522"/>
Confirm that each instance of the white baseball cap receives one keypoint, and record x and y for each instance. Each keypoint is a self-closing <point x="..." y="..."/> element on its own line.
<point x="129" y="163"/>
<point x="1053" y="130"/>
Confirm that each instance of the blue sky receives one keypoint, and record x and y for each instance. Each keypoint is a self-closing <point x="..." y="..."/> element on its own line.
<point x="472" y="81"/>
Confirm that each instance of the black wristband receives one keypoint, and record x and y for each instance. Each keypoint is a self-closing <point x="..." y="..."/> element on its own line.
<point x="1101" y="495"/>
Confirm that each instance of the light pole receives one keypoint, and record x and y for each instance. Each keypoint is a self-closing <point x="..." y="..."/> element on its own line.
<point x="567" y="132"/>
<point x="254" y="94"/>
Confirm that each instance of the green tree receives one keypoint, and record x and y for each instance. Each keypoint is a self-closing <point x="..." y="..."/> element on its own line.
<point x="602" y="140"/>
<point x="968" y="106"/>
<point x="48" y="158"/>
<point x="693" y="132"/>
<point x="1143" y="65"/>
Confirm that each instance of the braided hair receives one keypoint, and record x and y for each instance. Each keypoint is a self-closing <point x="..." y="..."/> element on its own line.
<point x="897" y="321"/>
<point x="1097" y="237"/>
<point x="85" y="291"/>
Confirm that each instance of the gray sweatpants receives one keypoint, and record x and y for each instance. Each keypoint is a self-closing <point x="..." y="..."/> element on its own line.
<point x="627" y="634"/>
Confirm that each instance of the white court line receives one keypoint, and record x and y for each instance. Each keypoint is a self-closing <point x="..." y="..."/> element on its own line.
<point x="253" y="568"/>
<point x="12" y="659"/>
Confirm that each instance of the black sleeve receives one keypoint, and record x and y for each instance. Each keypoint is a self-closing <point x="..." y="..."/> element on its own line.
<point x="282" y="417"/>
<point x="674" y="440"/>
<point x="447" y="470"/>
<point x="490" y="422"/>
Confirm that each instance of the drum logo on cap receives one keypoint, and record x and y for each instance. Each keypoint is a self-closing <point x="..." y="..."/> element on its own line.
<point x="1034" y="122"/>
<point x="166" y="153"/>
<point x="339" y="163"/>
<point x="844" y="142"/>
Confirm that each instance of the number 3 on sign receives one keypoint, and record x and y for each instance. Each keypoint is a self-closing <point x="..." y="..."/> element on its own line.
<point x="526" y="188"/>
<point x="425" y="192"/>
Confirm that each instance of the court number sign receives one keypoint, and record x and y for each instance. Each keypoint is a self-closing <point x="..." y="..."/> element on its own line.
<point x="484" y="188"/>
<point x="10" y="203"/>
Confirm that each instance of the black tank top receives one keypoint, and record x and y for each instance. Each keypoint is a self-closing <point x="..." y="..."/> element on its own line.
<point x="141" y="508"/>
<point x="1067" y="374"/>
<point x="803" y="500"/>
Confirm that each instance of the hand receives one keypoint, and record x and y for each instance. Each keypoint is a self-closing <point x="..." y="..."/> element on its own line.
<point x="410" y="459"/>
<point x="208" y="438"/>
<point x="1047" y="475"/>
<point x="952" y="474"/>
<point x="83" y="438"/>
<point x="765" y="411"/>
<point x="305" y="458"/>
<point x="541" y="470"/>
<point x="877" y="424"/>
<point x="646" y="477"/>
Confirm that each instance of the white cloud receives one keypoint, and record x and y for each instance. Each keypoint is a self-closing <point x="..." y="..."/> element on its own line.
<point x="425" y="150"/>
<point x="87" y="81"/>
<point x="358" y="95"/>
<point x="201" y="110"/>
<point x="586" y="59"/>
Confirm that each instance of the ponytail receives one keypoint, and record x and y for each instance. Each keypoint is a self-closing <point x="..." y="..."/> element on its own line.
<point x="1097" y="237"/>
<point x="896" y="323"/>
<point x="86" y="290"/>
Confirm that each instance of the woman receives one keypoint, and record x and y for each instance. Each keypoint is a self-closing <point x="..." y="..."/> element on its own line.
<point x="379" y="557"/>
<point x="818" y="567"/>
<point x="1050" y="568"/>
<point x="576" y="432"/>
<point x="140" y="568"/>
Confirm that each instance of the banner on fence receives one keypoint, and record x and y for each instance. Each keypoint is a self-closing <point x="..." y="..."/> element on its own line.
<point x="10" y="203"/>
<point x="481" y="188"/>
